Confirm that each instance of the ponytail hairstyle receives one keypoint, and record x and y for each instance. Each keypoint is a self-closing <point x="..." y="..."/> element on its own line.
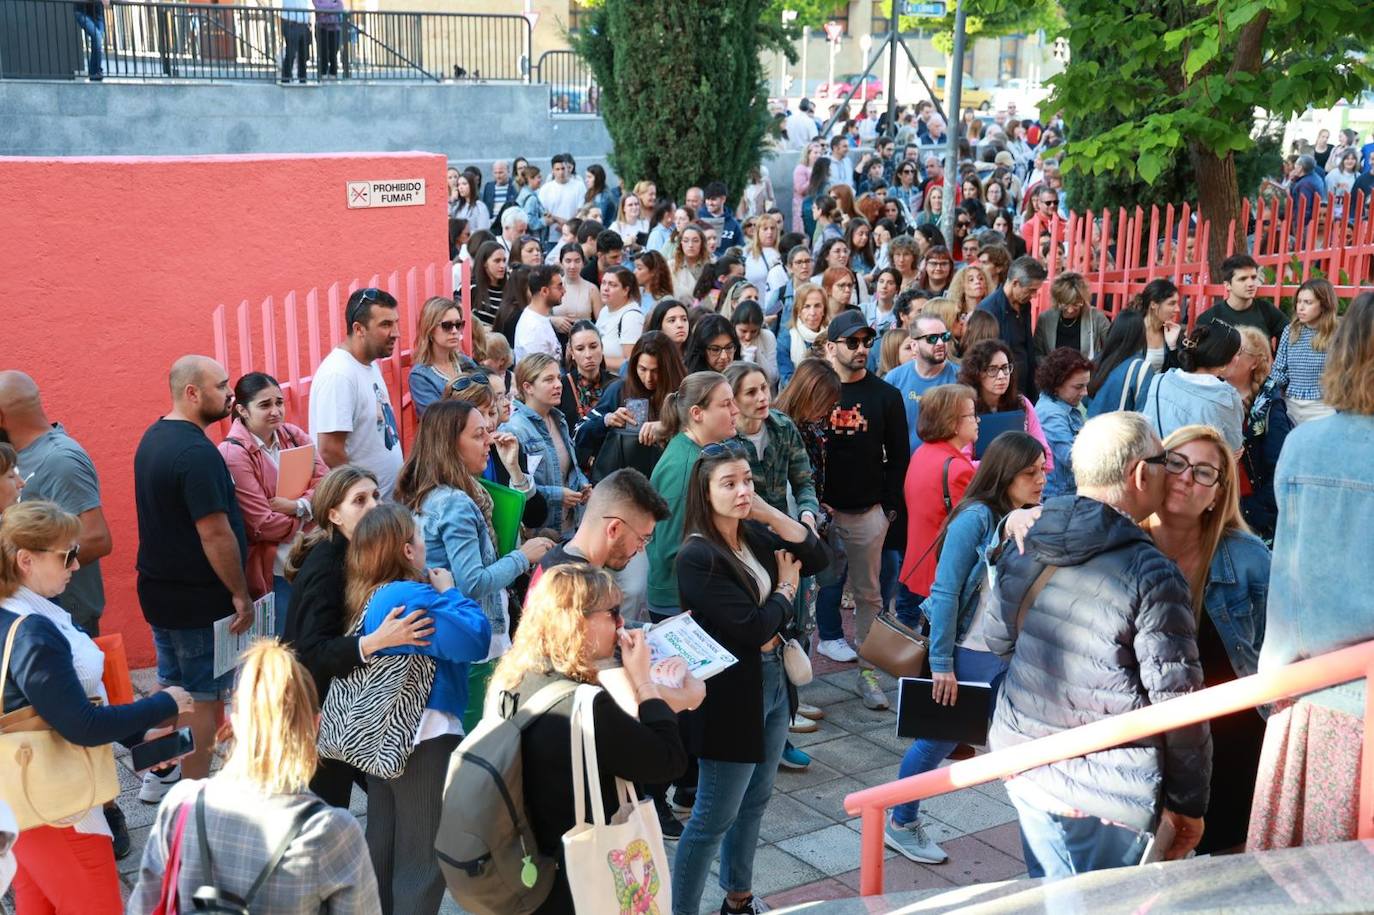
<point x="274" y="716"/>
<point x="1208" y="346"/>
<point x="696" y="391"/>
<point x="32" y="526"/>
<point x="330" y="493"/>
<point x="376" y="557"/>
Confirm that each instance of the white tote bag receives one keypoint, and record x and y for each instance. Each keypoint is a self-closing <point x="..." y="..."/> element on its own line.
<point x="617" y="867"/>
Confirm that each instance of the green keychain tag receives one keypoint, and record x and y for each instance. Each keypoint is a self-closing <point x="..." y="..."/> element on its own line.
<point x="529" y="874"/>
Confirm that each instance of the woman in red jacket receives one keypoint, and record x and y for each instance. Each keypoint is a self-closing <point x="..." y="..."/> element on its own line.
<point x="252" y="449"/>
<point x="936" y="478"/>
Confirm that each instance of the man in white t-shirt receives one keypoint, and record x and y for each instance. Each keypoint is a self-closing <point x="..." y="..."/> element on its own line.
<point x="801" y="125"/>
<point x="562" y="196"/>
<point x="535" y="331"/>
<point x="350" y="409"/>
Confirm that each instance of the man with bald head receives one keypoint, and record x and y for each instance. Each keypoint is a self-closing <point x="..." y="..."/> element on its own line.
<point x="57" y="469"/>
<point x="191" y="549"/>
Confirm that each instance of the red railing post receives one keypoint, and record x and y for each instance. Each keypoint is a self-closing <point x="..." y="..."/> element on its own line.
<point x="871" y="852"/>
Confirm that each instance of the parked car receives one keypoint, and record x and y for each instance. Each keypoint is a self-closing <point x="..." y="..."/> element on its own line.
<point x="971" y="93"/>
<point x="871" y="89"/>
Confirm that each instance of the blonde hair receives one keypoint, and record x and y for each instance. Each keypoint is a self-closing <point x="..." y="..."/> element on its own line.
<point x="376" y="557"/>
<point x="956" y="286"/>
<point x="33" y="526"/>
<point x="1348" y="381"/>
<point x="553" y="637"/>
<point x="890" y="350"/>
<point x="1255" y="342"/>
<point x="431" y="313"/>
<point x="479" y="395"/>
<point x="1223" y="518"/>
<point x="274" y="721"/>
<point x="530" y="368"/>
<point x="1068" y="288"/>
<point x="498" y="350"/>
<point x="946" y="309"/>
<point x="799" y="299"/>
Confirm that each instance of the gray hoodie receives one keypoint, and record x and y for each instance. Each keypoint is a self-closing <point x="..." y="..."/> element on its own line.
<point x="1177" y="398"/>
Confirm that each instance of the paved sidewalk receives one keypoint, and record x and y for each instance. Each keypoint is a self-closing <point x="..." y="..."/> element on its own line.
<point x="808" y="845"/>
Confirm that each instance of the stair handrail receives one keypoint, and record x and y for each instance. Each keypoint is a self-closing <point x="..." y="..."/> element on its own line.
<point x="1296" y="679"/>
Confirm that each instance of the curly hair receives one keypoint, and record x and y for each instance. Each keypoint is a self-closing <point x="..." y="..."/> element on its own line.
<point x="976" y="362"/>
<point x="1058" y="367"/>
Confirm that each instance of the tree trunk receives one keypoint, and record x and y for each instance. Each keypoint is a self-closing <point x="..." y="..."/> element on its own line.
<point x="1218" y="201"/>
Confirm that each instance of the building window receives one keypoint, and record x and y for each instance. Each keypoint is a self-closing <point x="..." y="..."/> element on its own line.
<point x="1009" y="56"/>
<point x="841" y="15"/>
<point x="577" y="17"/>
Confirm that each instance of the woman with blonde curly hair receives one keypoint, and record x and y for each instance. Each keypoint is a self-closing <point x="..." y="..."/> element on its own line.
<point x="969" y="287"/>
<point x="568" y="633"/>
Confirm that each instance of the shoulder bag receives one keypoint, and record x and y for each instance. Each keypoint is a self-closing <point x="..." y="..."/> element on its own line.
<point x="46" y="779"/>
<point x="370" y="715"/>
<point x="167" y="903"/>
<point x="615" y="863"/>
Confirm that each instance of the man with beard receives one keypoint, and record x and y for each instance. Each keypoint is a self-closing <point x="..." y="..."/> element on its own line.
<point x="930" y="368"/>
<point x="350" y="408"/>
<point x="191" y="548"/>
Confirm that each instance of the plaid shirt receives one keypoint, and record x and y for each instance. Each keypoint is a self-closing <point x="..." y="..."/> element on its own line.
<point x="784" y="462"/>
<point x="1298" y="367"/>
<point x="325" y="869"/>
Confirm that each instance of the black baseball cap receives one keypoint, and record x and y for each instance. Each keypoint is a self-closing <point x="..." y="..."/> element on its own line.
<point x="846" y="324"/>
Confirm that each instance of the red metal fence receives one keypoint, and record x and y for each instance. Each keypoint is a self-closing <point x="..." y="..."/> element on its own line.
<point x="288" y="336"/>
<point x="1171" y="243"/>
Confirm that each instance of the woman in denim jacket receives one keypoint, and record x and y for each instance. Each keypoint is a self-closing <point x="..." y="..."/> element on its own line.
<point x="542" y="430"/>
<point x="439" y="484"/>
<point x="1321" y="602"/>
<point x="1199" y="526"/>
<point x="1011" y="475"/>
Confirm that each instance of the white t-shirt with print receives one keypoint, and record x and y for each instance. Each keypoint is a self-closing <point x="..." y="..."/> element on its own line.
<point x="347" y="396"/>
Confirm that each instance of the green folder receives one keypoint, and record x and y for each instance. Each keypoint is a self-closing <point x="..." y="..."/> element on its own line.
<point x="507" y="508"/>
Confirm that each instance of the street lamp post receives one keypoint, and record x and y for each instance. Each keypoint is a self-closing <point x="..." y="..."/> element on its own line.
<point x="806" y="43"/>
<point x="954" y="79"/>
<point x="787" y="16"/>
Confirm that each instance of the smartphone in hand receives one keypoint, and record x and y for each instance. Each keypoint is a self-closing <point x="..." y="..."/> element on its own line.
<point x="162" y="750"/>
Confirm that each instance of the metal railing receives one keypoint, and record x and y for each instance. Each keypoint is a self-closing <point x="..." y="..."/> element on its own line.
<point x="572" y="85"/>
<point x="44" y="39"/>
<point x="1325" y="670"/>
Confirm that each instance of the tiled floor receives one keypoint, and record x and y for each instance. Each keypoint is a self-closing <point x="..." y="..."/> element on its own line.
<point x="808" y="846"/>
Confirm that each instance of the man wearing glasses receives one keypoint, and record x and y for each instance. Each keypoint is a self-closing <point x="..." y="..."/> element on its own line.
<point x="930" y="368"/>
<point x="1045" y="218"/>
<point x="351" y="418"/>
<point x="1075" y="661"/>
<point x="867" y="451"/>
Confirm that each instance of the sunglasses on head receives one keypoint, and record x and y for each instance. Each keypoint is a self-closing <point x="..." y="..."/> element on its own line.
<point x="723" y="449"/>
<point x="467" y="381"/>
<point x="449" y="327"/>
<point x="370" y="294"/>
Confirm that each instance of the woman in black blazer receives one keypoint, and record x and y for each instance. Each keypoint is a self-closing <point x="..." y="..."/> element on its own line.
<point x="315" y="626"/>
<point x="738" y="570"/>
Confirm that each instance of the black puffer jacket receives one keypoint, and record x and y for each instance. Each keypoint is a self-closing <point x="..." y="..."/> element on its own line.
<point x="1112" y="631"/>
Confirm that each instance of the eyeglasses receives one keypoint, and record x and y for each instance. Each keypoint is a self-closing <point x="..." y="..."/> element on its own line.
<point x="449" y="327"/>
<point x="844" y="285"/>
<point x="964" y="224"/>
<point x="995" y="371"/>
<point x="1049" y="201"/>
<point x="933" y="339"/>
<point x="973" y="416"/>
<point x="723" y="449"/>
<point x="861" y="341"/>
<point x="613" y="611"/>
<point x="643" y="541"/>
<point x="720" y="350"/>
<point x="1203" y="474"/>
<point x="68" y="556"/>
<point x="1162" y="459"/>
<point x="467" y="381"/>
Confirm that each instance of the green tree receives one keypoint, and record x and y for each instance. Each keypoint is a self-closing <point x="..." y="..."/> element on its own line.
<point x="682" y="90"/>
<point x="1163" y="91"/>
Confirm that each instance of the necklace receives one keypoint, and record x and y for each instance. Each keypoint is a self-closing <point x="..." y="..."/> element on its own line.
<point x="1070" y="324"/>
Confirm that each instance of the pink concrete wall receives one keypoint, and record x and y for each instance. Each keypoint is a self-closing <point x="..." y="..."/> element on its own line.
<point x="112" y="267"/>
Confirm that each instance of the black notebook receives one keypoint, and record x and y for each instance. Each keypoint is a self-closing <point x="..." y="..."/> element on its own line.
<point x="991" y="425"/>
<point x="966" y="721"/>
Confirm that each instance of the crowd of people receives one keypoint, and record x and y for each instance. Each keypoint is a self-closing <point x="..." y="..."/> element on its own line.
<point x="784" y="423"/>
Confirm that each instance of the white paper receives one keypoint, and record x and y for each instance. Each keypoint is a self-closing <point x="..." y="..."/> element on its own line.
<point x="230" y="647"/>
<point x="534" y="460"/>
<point x="682" y="637"/>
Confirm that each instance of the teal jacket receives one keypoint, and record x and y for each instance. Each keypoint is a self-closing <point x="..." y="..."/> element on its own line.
<point x="670" y="479"/>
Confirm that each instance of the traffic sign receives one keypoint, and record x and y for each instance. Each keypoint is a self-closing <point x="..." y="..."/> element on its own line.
<point x="833" y="30"/>
<point x="935" y="10"/>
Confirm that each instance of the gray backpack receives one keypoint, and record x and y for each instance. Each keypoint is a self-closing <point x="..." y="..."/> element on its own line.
<point x="485" y="845"/>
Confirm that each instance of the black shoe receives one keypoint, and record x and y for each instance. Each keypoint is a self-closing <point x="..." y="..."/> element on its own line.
<point x="671" y="825"/>
<point x="683" y="800"/>
<point x="119" y="830"/>
<point x="752" y="906"/>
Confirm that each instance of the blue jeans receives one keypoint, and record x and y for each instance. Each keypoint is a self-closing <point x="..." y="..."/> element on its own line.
<point x="925" y="755"/>
<point x="186" y="658"/>
<point x="908" y="606"/>
<point x="94" y="27"/>
<point x="1058" y="846"/>
<point x="731" y="798"/>
<point x="282" y="588"/>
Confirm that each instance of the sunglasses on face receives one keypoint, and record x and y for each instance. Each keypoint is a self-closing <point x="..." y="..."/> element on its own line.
<point x="69" y="556"/>
<point x="862" y="341"/>
<point x="933" y="339"/>
<point x="449" y="327"/>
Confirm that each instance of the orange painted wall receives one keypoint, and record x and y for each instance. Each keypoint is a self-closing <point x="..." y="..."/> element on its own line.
<point x="112" y="266"/>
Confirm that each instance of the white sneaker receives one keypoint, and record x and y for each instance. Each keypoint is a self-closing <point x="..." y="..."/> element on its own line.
<point x="155" y="787"/>
<point x="911" y="841"/>
<point x="815" y="713"/>
<point x="837" y="650"/>
<point x="802" y="725"/>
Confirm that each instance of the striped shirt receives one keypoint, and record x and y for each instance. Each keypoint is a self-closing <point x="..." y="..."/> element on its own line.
<point x="1298" y="367"/>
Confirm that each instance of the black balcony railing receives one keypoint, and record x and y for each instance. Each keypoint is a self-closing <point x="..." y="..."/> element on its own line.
<point x="572" y="87"/>
<point x="51" y="39"/>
